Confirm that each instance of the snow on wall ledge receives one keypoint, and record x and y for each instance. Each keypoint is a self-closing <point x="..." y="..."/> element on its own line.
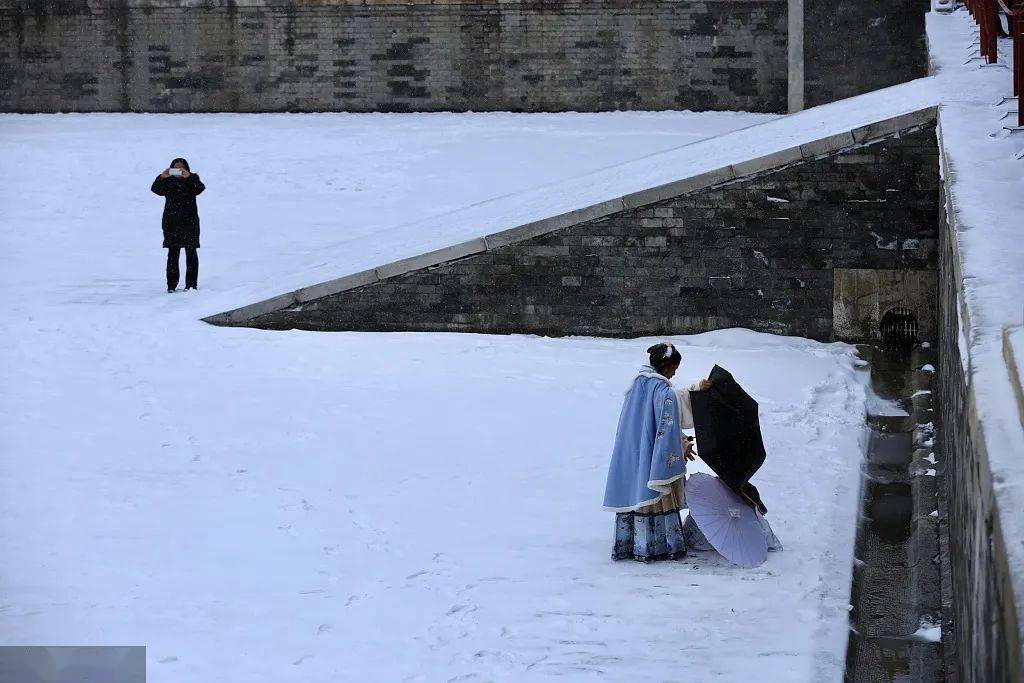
<point x="981" y="436"/>
<point x="647" y="181"/>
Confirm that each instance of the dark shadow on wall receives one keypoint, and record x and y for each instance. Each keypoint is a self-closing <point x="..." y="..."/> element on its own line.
<point x="852" y="48"/>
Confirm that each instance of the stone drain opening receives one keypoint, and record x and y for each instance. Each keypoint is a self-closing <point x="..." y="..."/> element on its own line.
<point x="896" y="593"/>
<point x="898" y="328"/>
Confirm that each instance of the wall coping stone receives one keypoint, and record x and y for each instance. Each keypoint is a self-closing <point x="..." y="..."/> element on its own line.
<point x="1013" y="354"/>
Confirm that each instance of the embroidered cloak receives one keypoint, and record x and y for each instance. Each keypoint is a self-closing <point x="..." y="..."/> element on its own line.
<point x="647" y="458"/>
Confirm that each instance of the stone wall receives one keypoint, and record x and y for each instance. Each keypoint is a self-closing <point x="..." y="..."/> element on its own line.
<point x="759" y="253"/>
<point x="983" y="644"/>
<point x="856" y="47"/>
<point x="391" y="55"/>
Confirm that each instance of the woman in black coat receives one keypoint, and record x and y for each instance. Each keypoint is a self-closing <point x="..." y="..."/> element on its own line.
<point x="179" y="187"/>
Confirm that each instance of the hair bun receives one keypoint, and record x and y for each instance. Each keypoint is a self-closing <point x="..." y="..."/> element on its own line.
<point x="663" y="355"/>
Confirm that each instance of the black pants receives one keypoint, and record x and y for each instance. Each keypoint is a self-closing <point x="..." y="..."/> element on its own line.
<point x="191" y="267"/>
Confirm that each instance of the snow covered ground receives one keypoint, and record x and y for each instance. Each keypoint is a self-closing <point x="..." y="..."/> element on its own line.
<point x="306" y="192"/>
<point x="263" y="506"/>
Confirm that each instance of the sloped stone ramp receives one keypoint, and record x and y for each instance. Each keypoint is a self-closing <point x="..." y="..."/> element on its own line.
<point x="756" y="242"/>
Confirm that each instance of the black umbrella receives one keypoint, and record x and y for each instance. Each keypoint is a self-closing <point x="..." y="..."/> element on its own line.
<point x="729" y="433"/>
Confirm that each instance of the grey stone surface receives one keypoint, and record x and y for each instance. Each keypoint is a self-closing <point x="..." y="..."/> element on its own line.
<point x="795" y="51"/>
<point x="758" y="252"/>
<point x="1014" y="362"/>
<point x="685" y="186"/>
<point x="366" y="277"/>
<point x="769" y="161"/>
<point x="392" y="55"/>
<point x="906" y="121"/>
<point x="432" y="258"/>
<point x="246" y="313"/>
<point x="546" y="225"/>
<point x="827" y="145"/>
<point x="856" y="47"/>
<point x="897" y="585"/>
<point x="861" y="296"/>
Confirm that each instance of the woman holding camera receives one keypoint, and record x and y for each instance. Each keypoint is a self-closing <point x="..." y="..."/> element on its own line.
<point x="179" y="188"/>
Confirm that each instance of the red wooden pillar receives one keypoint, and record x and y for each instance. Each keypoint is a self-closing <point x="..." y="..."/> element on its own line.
<point x="989" y="34"/>
<point x="1017" y="35"/>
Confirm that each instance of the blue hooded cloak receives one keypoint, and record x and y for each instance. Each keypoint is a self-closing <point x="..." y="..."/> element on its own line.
<point x="648" y="454"/>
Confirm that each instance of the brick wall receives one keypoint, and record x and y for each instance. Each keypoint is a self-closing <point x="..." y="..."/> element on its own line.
<point x="856" y="47"/>
<point x="984" y="644"/>
<point x="757" y="253"/>
<point x="391" y="55"/>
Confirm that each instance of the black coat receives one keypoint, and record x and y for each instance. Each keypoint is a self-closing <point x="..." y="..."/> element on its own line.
<point x="181" y="217"/>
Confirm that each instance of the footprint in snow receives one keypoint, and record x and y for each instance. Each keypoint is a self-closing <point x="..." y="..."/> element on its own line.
<point x="455" y="609"/>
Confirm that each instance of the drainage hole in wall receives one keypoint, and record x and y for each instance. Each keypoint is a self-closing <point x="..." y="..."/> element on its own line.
<point x="898" y="328"/>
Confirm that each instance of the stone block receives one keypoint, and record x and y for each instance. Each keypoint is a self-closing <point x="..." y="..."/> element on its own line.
<point x="680" y="187"/>
<point x="827" y="145"/>
<point x="341" y="284"/>
<point x="903" y="122"/>
<point x="547" y="225"/>
<point x="245" y="313"/>
<point x="767" y="162"/>
<point x="862" y="296"/>
<point x="432" y="258"/>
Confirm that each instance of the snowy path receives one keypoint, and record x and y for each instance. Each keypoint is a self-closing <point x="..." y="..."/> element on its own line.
<point x="258" y="506"/>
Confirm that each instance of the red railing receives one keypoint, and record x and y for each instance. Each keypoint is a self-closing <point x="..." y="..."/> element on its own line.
<point x="986" y="14"/>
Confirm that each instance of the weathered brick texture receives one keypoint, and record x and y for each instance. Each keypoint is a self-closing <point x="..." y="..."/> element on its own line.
<point x="984" y="644"/>
<point x="390" y="55"/>
<point x="856" y="47"/>
<point x="755" y="253"/>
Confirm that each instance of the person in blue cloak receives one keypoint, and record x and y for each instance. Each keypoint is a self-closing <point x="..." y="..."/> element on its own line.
<point x="647" y="473"/>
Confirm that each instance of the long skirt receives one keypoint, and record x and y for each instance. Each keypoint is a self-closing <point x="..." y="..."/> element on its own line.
<point x="654" y="532"/>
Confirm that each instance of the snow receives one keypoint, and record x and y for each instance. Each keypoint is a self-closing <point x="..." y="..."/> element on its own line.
<point x="963" y="344"/>
<point x="875" y="404"/>
<point x="342" y="179"/>
<point x="987" y="196"/>
<point x="932" y="634"/>
<point x="286" y="506"/>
